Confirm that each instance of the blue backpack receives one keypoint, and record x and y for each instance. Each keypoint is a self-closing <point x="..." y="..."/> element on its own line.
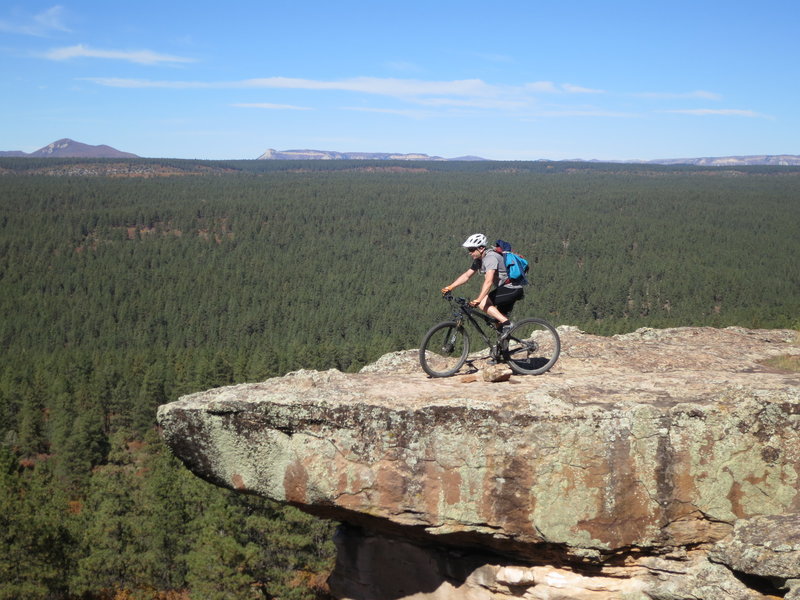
<point x="516" y="265"/>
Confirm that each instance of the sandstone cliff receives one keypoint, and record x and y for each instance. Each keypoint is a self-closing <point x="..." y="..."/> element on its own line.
<point x="661" y="464"/>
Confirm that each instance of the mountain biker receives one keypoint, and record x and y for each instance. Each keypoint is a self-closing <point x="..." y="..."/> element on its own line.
<point x="495" y="302"/>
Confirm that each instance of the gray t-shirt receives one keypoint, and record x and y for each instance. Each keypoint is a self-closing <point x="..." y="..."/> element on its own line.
<point x="493" y="260"/>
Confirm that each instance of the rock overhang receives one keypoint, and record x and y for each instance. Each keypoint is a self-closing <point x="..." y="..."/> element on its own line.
<point x="656" y="439"/>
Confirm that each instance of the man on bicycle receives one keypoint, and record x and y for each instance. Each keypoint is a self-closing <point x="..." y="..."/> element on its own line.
<point x="495" y="302"/>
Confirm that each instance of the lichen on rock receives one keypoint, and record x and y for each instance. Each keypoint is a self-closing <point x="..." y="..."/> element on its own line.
<point x="644" y="461"/>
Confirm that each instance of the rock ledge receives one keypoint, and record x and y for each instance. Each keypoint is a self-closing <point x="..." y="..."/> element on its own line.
<point x="659" y="464"/>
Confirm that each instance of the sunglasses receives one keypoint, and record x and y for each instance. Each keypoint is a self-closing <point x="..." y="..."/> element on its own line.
<point x="471" y="250"/>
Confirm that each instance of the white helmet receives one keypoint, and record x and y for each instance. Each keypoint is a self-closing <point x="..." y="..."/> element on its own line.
<point x="476" y="240"/>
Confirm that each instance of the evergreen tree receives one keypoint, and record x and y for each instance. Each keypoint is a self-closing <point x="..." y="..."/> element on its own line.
<point x="36" y="537"/>
<point x="109" y="546"/>
<point x="218" y="562"/>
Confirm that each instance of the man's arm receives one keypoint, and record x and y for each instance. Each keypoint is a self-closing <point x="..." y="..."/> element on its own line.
<point x="460" y="280"/>
<point x="488" y="280"/>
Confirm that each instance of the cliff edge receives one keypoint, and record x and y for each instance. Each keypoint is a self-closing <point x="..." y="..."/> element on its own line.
<point x="656" y="465"/>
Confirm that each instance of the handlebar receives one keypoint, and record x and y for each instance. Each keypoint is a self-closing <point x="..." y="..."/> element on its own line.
<point x="450" y="298"/>
<point x="464" y="307"/>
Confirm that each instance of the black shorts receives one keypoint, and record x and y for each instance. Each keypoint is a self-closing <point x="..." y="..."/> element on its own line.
<point x="504" y="298"/>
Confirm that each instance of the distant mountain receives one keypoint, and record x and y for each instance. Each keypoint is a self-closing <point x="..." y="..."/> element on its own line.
<point x="733" y="161"/>
<point x="67" y="148"/>
<point x="725" y="161"/>
<point x="333" y="155"/>
<point x="70" y="148"/>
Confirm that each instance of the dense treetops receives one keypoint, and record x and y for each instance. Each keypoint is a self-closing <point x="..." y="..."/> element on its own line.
<point x="122" y="292"/>
<point x="178" y="261"/>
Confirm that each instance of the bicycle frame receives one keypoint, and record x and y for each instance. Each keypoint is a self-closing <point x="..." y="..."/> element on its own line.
<point x="463" y="309"/>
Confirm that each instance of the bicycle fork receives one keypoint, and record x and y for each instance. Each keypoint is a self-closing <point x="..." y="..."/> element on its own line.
<point x="450" y="344"/>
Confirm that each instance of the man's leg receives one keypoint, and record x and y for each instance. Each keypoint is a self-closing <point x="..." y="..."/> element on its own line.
<point x="490" y="309"/>
<point x="503" y="300"/>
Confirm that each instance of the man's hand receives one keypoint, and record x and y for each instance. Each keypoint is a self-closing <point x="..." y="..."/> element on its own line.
<point x="446" y="289"/>
<point x="474" y="302"/>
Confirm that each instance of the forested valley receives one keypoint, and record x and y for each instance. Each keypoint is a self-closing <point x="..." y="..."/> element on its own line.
<point x="124" y="290"/>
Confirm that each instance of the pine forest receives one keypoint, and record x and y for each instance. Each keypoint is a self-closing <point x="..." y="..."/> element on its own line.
<point x="126" y="284"/>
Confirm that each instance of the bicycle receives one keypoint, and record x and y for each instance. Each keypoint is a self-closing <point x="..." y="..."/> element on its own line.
<point x="531" y="347"/>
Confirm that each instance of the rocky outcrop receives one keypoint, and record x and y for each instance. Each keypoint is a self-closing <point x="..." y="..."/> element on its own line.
<point x="272" y="154"/>
<point x="660" y="464"/>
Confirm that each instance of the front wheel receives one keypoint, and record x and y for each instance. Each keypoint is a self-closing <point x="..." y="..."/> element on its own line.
<point x="444" y="349"/>
<point x="531" y="347"/>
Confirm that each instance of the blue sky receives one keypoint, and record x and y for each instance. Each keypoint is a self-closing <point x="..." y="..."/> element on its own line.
<point x="613" y="80"/>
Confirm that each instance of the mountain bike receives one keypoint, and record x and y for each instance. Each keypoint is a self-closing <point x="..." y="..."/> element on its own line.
<point x="531" y="347"/>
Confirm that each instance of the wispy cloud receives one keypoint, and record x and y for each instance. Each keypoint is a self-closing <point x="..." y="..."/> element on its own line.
<point x="584" y="112"/>
<point x="577" y="89"/>
<point x="268" y="106"/>
<point x="40" y="25"/>
<point x="695" y="95"/>
<point x="462" y="93"/>
<point x="523" y="100"/>
<point x="124" y="82"/>
<point x="142" y="57"/>
<point x="414" y="114"/>
<point x="726" y="112"/>
<point x="394" y="87"/>
<point x="541" y="87"/>
<point x="506" y="103"/>
<point x="550" y="87"/>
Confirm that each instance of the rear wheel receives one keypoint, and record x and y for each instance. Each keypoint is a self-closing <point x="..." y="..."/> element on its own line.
<point x="444" y="349"/>
<point x="532" y="347"/>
